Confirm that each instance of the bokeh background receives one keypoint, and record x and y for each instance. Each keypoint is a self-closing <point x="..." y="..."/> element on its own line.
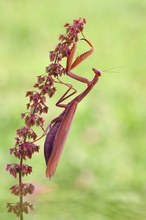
<point x="102" y="172"/>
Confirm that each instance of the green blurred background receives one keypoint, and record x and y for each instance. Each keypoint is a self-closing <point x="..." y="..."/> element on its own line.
<point x="102" y="172"/>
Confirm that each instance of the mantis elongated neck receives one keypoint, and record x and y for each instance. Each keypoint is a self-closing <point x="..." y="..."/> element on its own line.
<point x="88" y="89"/>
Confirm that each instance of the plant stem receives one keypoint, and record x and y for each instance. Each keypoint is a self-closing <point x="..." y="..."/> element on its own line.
<point x="21" y="196"/>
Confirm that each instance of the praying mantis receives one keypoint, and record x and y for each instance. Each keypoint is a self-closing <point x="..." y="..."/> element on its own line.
<point x="59" y="127"/>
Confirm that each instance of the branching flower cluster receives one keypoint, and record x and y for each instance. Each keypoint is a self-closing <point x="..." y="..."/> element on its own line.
<point x="64" y="46"/>
<point x="25" y="141"/>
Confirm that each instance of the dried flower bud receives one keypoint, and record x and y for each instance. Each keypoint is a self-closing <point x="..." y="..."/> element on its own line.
<point x="18" y="208"/>
<point x="26" y="132"/>
<point x="24" y="189"/>
<point x="15" y="169"/>
<point x="26" y="149"/>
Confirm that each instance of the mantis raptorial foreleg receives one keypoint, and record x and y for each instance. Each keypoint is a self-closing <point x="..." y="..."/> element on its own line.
<point x="70" y="64"/>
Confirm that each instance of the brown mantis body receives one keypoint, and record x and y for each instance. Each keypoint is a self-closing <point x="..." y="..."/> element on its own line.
<point x="57" y="135"/>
